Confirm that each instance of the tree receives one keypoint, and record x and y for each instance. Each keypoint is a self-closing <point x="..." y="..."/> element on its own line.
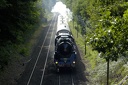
<point x="17" y="19"/>
<point x="107" y="20"/>
<point x="110" y="37"/>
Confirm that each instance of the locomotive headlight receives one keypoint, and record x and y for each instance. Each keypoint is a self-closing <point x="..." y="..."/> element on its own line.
<point x="73" y="62"/>
<point x="56" y="62"/>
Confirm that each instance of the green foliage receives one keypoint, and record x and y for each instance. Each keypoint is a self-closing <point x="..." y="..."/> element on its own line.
<point x="3" y="3"/>
<point x="117" y="71"/>
<point x="106" y="28"/>
<point x="68" y="3"/>
<point x="110" y="35"/>
<point x="17" y="21"/>
<point x="4" y="57"/>
<point x="48" y="4"/>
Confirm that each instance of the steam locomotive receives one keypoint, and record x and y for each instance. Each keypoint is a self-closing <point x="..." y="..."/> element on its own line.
<point x="65" y="54"/>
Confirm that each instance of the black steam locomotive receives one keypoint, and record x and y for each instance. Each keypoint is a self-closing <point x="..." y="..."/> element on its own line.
<point x="65" y="54"/>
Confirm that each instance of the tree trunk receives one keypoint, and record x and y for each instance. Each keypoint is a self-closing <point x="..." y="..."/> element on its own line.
<point x="107" y="71"/>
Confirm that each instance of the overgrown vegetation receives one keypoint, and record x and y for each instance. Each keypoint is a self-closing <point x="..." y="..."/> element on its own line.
<point x="105" y="22"/>
<point x="19" y="19"/>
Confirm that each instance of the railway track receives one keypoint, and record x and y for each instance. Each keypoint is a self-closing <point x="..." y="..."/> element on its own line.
<point x="47" y="54"/>
<point x="39" y="55"/>
<point x="66" y="79"/>
<point x="34" y="72"/>
<point x="40" y="69"/>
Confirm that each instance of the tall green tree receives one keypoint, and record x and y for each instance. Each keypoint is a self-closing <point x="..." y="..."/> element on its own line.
<point x="107" y="21"/>
<point x="17" y="18"/>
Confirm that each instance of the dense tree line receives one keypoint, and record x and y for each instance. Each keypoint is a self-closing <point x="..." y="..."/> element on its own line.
<point x="48" y="4"/>
<point x="17" y="21"/>
<point x="105" y="22"/>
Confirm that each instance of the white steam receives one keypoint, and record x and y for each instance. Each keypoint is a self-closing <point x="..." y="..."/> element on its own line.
<point x="63" y="10"/>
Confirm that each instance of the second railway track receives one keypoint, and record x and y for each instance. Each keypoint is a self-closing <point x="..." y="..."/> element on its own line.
<point x="38" y="65"/>
<point x="35" y="69"/>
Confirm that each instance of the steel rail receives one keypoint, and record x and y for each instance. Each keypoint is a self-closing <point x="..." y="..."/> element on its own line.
<point x="47" y="54"/>
<point x="39" y="54"/>
<point x="59" y="80"/>
<point x="72" y="80"/>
